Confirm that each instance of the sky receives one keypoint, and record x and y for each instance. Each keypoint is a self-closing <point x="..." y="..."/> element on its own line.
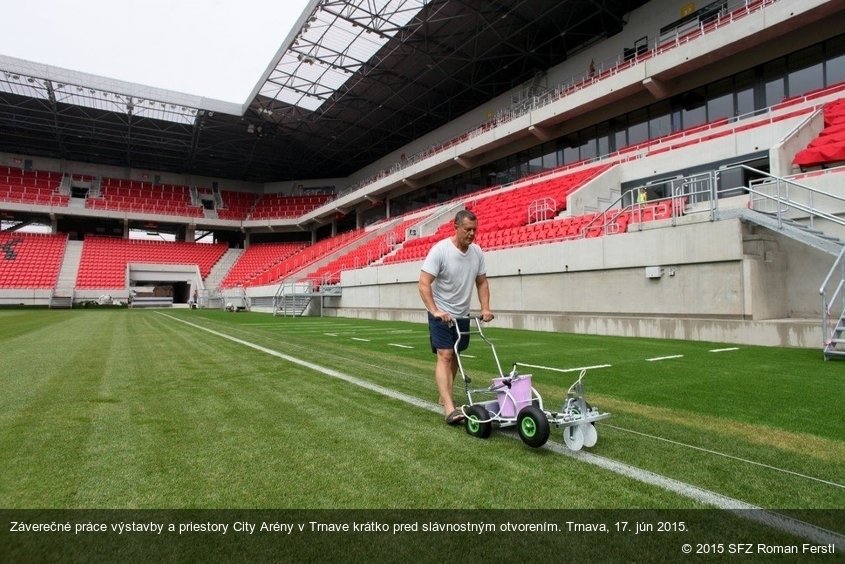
<point x="211" y="48"/>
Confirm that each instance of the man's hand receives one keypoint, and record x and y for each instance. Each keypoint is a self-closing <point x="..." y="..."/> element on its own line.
<point x="442" y="316"/>
<point x="487" y="315"/>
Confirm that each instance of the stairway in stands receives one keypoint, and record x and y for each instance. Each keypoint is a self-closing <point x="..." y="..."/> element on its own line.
<point x="62" y="297"/>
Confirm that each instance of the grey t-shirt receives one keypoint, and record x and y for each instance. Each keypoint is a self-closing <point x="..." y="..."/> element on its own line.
<point x="454" y="275"/>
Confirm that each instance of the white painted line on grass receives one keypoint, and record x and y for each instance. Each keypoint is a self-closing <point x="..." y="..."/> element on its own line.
<point x="725" y="350"/>
<point x="330" y="334"/>
<point x="467" y="356"/>
<point x="400" y="346"/>
<point x="579" y="369"/>
<point x="316" y="367"/>
<point x="360" y="339"/>
<point x="655" y="359"/>
<point x="740" y="508"/>
<point x="717" y="453"/>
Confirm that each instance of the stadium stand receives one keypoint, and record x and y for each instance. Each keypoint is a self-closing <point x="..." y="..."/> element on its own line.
<point x="257" y="259"/>
<point x="31" y="187"/>
<point x="829" y="147"/>
<point x="104" y="259"/>
<point x="362" y="256"/>
<point x="236" y="205"/>
<point x="282" y="205"/>
<point x="30" y="260"/>
<point x="144" y="197"/>
<point x="305" y="257"/>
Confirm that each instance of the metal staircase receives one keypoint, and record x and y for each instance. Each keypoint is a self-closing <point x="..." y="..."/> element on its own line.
<point x="833" y="300"/>
<point x="793" y="229"/>
<point x="789" y="208"/>
<point x="293" y="298"/>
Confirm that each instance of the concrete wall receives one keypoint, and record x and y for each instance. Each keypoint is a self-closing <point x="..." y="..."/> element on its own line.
<point x="721" y="281"/>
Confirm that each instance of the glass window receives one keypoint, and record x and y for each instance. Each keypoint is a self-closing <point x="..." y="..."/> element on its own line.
<point x="720" y="100"/>
<point x="638" y="126"/>
<point x="588" y="143"/>
<point x="775" y="83"/>
<point x="570" y="155"/>
<point x="744" y="88"/>
<point x="806" y="71"/>
<point x="535" y="162"/>
<point x="834" y="66"/>
<point x="603" y="138"/>
<point x="550" y="160"/>
<point x="660" y="123"/>
<point x="693" y="108"/>
<point x="619" y="133"/>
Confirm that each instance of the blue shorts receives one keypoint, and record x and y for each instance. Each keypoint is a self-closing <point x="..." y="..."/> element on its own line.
<point x="443" y="335"/>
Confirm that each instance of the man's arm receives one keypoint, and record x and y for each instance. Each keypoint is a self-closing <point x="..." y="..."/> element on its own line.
<point x="427" y="295"/>
<point x="483" y="288"/>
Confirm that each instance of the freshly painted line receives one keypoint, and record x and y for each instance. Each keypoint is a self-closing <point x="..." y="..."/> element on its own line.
<point x="579" y="369"/>
<point x="725" y="350"/>
<point x="663" y="358"/>
<point x="717" y="453"/>
<point x="466" y="355"/>
<point x="360" y="339"/>
<point x="331" y="334"/>
<point x="400" y="346"/>
<point x="740" y="508"/>
<point x="768" y="518"/>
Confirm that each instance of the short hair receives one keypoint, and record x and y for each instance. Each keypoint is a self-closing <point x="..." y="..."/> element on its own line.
<point x="464" y="214"/>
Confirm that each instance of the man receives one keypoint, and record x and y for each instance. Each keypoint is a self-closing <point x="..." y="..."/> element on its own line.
<point x="449" y="271"/>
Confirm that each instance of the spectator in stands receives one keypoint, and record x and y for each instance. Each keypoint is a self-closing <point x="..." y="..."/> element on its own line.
<point x="449" y="271"/>
<point x="642" y="196"/>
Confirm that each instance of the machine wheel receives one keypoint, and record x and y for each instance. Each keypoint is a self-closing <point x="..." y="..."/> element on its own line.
<point x="476" y="424"/>
<point x="591" y="436"/>
<point x="573" y="437"/>
<point x="533" y="426"/>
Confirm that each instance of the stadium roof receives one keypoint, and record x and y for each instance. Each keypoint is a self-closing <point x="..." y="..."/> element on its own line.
<point x="352" y="81"/>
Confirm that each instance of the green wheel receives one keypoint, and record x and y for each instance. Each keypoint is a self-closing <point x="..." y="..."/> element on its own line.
<point x="533" y="426"/>
<point x="476" y="423"/>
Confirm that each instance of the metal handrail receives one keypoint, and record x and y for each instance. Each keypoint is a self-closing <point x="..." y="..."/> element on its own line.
<point x="827" y="303"/>
<point x="810" y="210"/>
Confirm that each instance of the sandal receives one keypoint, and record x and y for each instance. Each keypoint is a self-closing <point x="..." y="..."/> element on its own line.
<point x="455" y="418"/>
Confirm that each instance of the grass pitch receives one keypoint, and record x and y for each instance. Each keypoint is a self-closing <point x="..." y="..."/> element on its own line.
<point x="133" y="409"/>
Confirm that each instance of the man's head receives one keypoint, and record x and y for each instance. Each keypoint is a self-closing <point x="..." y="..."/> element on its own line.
<point x="465" y="225"/>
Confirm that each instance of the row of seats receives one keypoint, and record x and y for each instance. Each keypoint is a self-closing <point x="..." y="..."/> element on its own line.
<point x="280" y="205"/>
<point x="236" y="205"/>
<point x="34" y="260"/>
<point x="32" y="195"/>
<point x="576" y="227"/>
<point x="361" y="256"/>
<point x="144" y="197"/>
<point x="256" y="260"/>
<point x="21" y="173"/>
<point x="31" y="187"/>
<point x="829" y="146"/>
<point x="104" y="259"/>
<point x="30" y="260"/>
<point x="305" y="257"/>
